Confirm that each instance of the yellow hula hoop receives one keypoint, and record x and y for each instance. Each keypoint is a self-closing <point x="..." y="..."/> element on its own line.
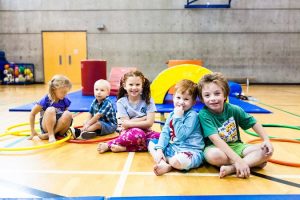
<point x="17" y="132"/>
<point x="21" y="133"/>
<point x="38" y="146"/>
<point x="4" y="134"/>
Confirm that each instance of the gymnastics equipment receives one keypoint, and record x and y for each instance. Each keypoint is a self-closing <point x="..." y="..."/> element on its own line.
<point x="235" y="89"/>
<point x="116" y="73"/>
<point x="91" y="71"/>
<point x="172" y="63"/>
<point x="280" y="162"/>
<point x="15" y="73"/>
<point x="21" y="133"/>
<point x="170" y="76"/>
<point x="92" y="141"/>
<point x="82" y="103"/>
<point x="36" y="147"/>
<point x="3" y="62"/>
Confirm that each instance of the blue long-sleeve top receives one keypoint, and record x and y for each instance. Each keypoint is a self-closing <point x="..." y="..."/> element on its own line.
<point x="182" y="133"/>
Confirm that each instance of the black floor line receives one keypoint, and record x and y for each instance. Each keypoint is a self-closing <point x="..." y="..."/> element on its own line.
<point x="28" y="190"/>
<point x="278" y="180"/>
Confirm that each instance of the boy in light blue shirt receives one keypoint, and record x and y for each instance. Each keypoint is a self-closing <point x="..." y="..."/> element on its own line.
<point x="180" y="145"/>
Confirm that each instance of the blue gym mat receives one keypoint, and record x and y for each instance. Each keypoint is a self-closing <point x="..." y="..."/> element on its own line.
<point x="82" y="103"/>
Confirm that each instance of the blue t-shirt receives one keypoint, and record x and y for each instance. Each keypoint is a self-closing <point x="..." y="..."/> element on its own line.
<point x="182" y="133"/>
<point x="60" y="106"/>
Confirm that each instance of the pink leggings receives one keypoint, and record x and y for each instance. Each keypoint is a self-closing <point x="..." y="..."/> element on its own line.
<point x="134" y="139"/>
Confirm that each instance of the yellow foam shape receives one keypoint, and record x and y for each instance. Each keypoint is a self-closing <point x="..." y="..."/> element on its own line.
<point x="170" y="76"/>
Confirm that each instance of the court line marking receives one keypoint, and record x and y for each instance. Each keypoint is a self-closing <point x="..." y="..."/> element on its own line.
<point x="124" y="173"/>
<point x="15" y="142"/>
<point x="80" y="172"/>
<point x="271" y="178"/>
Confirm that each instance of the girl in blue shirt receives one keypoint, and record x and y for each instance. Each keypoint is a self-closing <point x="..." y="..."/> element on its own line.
<point x="53" y="109"/>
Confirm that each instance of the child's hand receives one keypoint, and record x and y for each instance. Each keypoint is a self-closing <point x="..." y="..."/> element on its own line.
<point x="125" y="124"/>
<point x="242" y="169"/>
<point x="178" y="110"/>
<point x="33" y="133"/>
<point x="85" y="127"/>
<point x="267" y="148"/>
<point x="159" y="156"/>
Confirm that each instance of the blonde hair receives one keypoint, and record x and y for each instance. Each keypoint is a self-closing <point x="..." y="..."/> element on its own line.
<point x="58" y="81"/>
<point x="217" y="78"/>
<point x="188" y="86"/>
<point x="104" y="82"/>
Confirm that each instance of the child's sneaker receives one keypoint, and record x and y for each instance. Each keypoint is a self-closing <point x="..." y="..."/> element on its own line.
<point x="119" y="130"/>
<point x="86" y="135"/>
<point x="75" y="132"/>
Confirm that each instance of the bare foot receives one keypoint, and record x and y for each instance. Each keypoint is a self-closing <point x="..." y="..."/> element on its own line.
<point x="262" y="165"/>
<point x="226" y="170"/>
<point x="102" y="147"/>
<point x="43" y="136"/>
<point x="30" y="137"/>
<point x="160" y="169"/>
<point x="52" y="139"/>
<point x="117" y="148"/>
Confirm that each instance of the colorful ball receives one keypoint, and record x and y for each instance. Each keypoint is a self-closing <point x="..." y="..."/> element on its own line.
<point x="10" y="71"/>
<point x="16" y="71"/>
<point x="21" y="70"/>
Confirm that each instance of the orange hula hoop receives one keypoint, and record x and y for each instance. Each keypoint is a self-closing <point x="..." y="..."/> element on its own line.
<point x="90" y="141"/>
<point x="280" y="162"/>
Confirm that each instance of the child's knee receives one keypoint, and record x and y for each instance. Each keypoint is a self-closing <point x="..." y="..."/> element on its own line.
<point x="50" y="110"/>
<point x="175" y="163"/>
<point x="151" y="145"/>
<point x="216" y="157"/>
<point x="65" y="120"/>
<point x="180" y="162"/>
<point x="67" y="114"/>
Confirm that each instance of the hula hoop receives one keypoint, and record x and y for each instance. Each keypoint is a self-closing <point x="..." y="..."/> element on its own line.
<point x="18" y="132"/>
<point x="38" y="146"/>
<point x="274" y="125"/>
<point x="280" y="162"/>
<point x="4" y="134"/>
<point x="21" y="133"/>
<point x="91" y="141"/>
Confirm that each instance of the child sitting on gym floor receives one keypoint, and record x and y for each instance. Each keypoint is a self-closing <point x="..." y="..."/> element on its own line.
<point x="53" y="108"/>
<point x="220" y="122"/>
<point x="180" y="145"/>
<point x="136" y="113"/>
<point x="102" y="114"/>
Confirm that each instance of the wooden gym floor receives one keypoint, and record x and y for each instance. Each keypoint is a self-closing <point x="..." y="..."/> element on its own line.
<point x="73" y="170"/>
